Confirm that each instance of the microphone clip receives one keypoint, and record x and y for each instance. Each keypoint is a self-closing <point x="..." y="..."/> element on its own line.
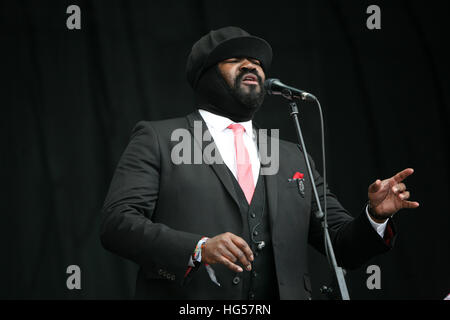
<point x="261" y="245"/>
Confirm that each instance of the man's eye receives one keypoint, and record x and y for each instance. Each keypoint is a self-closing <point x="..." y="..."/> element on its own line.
<point x="237" y="60"/>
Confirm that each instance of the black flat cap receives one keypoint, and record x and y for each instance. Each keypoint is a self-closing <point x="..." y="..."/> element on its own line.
<point x="225" y="43"/>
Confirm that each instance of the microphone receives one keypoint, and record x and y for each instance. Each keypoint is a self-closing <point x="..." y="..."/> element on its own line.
<point x="276" y="87"/>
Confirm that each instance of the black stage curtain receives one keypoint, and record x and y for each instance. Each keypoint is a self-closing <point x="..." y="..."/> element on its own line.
<point x="69" y="99"/>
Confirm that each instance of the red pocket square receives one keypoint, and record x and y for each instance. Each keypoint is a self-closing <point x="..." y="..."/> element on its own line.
<point x="298" y="175"/>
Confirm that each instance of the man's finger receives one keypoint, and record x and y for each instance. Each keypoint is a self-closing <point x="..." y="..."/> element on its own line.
<point x="402" y="175"/>
<point x="374" y="187"/>
<point x="399" y="187"/>
<point x="410" y="204"/>
<point x="241" y="244"/>
<point x="404" y="195"/>
<point x="240" y="255"/>
<point x="227" y="254"/>
<point x="230" y="265"/>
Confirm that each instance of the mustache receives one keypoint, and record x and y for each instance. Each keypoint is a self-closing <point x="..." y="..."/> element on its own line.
<point x="245" y="73"/>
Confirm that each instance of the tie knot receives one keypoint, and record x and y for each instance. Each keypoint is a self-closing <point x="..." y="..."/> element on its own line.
<point x="237" y="128"/>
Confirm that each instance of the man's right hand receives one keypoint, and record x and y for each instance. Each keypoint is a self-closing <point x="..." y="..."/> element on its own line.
<point x="227" y="248"/>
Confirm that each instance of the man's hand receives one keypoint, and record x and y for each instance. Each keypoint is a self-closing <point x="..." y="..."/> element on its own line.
<point x="227" y="248"/>
<point x="388" y="196"/>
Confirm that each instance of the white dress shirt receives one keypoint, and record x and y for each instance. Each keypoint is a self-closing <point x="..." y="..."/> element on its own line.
<point x="224" y="140"/>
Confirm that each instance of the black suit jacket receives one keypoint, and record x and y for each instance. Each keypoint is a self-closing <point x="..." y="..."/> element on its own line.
<point x="157" y="211"/>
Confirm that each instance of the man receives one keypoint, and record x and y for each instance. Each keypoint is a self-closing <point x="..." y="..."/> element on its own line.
<point x="222" y="229"/>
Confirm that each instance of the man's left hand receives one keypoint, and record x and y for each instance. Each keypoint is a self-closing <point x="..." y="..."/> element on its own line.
<point x="390" y="195"/>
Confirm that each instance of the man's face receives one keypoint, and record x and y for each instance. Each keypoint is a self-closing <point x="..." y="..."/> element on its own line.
<point x="245" y="77"/>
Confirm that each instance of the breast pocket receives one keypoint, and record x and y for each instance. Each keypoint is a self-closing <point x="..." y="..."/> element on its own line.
<point x="295" y="197"/>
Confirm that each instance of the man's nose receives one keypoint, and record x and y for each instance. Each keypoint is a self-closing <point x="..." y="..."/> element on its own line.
<point x="247" y="64"/>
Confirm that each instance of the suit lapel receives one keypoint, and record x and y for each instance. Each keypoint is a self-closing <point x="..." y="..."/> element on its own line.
<point x="272" y="197"/>
<point x="220" y="169"/>
<point x="271" y="180"/>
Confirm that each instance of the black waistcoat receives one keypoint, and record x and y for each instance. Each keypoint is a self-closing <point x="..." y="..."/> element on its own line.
<point x="261" y="282"/>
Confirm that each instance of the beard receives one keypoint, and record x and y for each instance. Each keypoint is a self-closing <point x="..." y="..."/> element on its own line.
<point x="252" y="97"/>
<point x="225" y="98"/>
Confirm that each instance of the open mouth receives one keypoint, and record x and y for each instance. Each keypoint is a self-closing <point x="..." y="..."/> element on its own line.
<point x="250" y="79"/>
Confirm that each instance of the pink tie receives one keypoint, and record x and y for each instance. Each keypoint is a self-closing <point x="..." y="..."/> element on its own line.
<point x="244" y="167"/>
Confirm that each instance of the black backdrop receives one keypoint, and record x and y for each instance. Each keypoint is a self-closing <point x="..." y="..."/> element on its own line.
<point x="69" y="99"/>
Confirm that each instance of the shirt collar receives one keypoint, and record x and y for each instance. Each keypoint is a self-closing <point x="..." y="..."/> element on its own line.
<point x="221" y="123"/>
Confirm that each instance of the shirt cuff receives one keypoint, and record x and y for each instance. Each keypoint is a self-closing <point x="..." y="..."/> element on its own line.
<point x="191" y="263"/>
<point x="197" y="257"/>
<point x="379" y="227"/>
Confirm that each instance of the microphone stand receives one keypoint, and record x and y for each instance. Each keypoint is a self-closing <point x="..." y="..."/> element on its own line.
<point x="338" y="271"/>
